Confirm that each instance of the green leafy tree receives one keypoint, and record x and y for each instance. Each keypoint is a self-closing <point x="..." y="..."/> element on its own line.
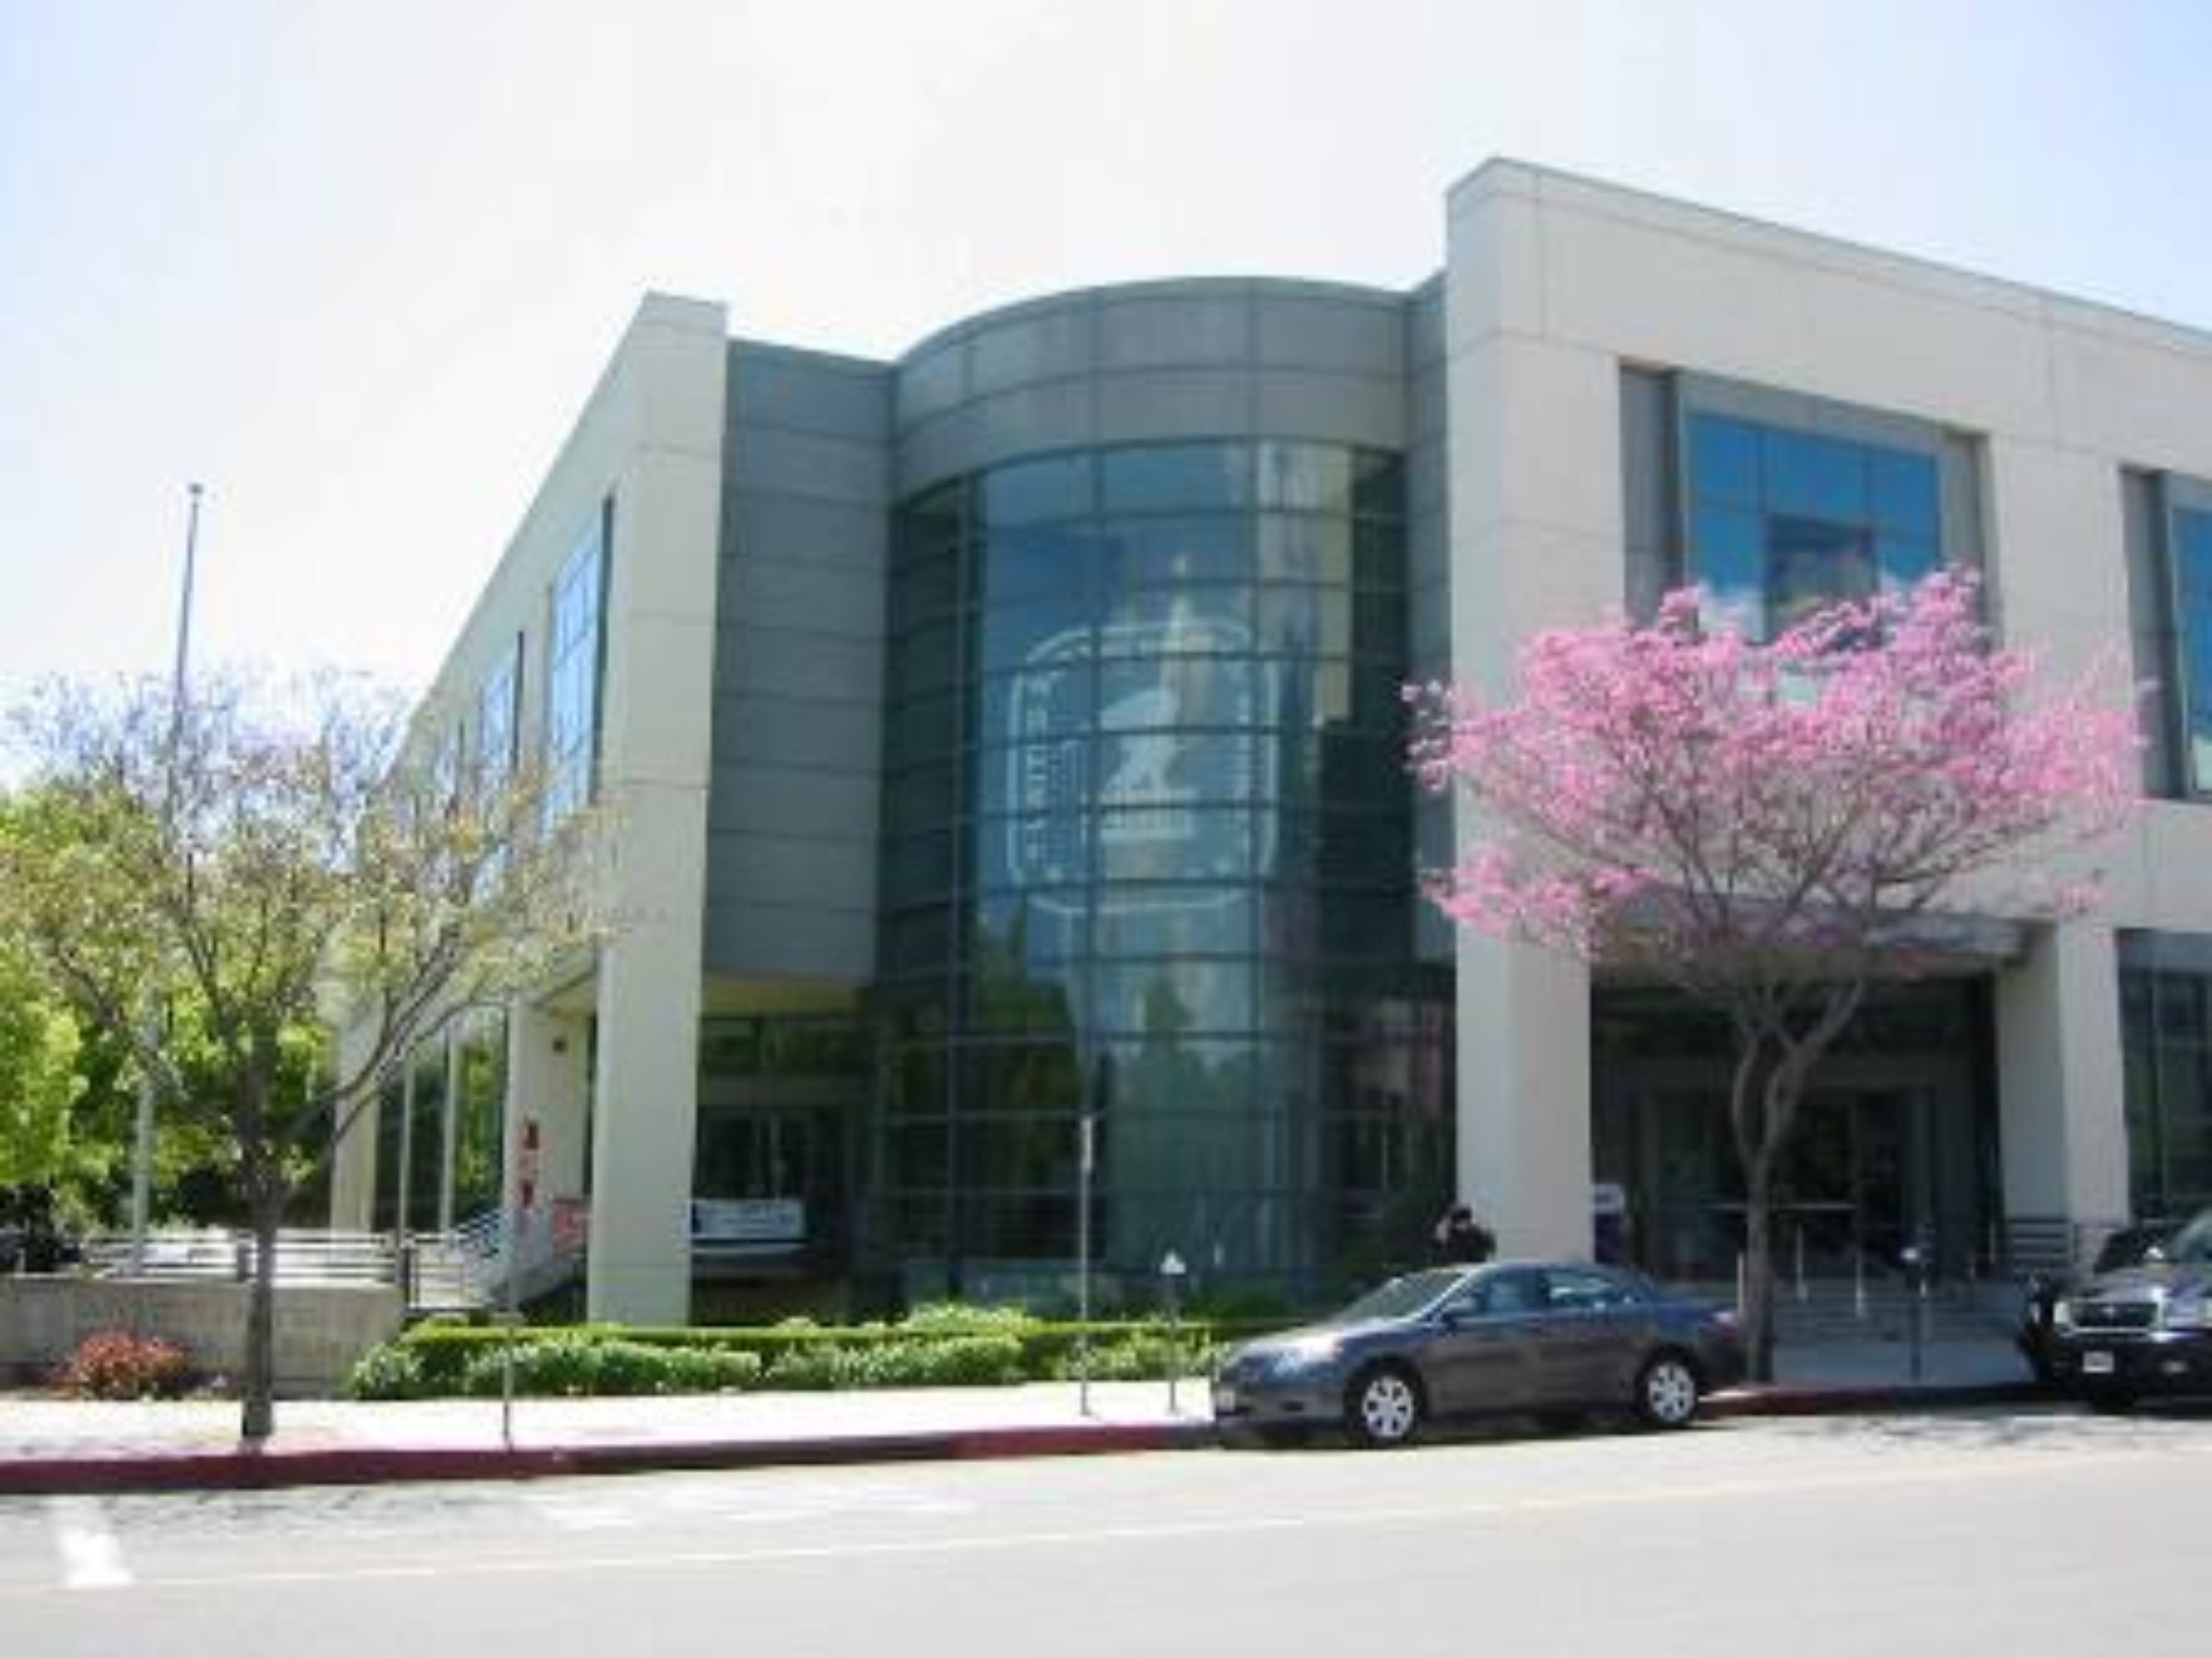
<point x="38" y="1082"/>
<point x="254" y="860"/>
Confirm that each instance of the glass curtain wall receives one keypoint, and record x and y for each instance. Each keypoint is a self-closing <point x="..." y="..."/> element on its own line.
<point x="1148" y="856"/>
<point x="478" y="1116"/>
<point x="2165" y="1035"/>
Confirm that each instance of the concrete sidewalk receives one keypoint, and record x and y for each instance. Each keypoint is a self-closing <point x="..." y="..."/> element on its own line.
<point x="50" y="1445"/>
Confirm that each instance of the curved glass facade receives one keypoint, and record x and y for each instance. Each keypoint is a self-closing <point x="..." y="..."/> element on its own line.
<point x="1147" y="854"/>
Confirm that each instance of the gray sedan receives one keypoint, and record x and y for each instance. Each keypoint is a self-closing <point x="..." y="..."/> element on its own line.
<point x="1514" y="1336"/>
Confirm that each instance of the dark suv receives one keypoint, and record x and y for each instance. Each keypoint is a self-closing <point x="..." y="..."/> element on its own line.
<point x="2143" y="1329"/>
<point x="2126" y="1247"/>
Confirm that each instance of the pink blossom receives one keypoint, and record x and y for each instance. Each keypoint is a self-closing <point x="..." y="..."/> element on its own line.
<point x="1668" y="792"/>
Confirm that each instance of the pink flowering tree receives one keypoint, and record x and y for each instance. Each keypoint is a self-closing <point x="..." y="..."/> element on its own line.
<point x="1770" y="827"/>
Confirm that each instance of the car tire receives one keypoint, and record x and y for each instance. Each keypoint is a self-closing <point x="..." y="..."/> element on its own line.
<point x="1667" y="1392"/>
<point x="1384" y="1407"/>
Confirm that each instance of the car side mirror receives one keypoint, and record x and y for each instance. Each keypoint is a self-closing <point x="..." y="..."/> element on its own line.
<point x="2154" y="1256"/>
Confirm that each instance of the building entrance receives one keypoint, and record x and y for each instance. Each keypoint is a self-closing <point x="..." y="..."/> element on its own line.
<point x="1895" y="1143"/>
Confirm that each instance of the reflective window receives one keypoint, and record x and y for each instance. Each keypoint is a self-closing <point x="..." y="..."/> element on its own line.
<point x="477" y="1116"/>
<point x="2168" y="1071"/>
<point x="575" y="659"/>
<point x="1174" y="477"/>
<point x="498" y="721"/>
<point x="1030" y="491"/>
<point x="1139" y="906"/>
<point x="1781" y="523"/>
<point x="2192" y="540"/>
<point x="1055" y="561"/>
<point x="1177" y="552"/>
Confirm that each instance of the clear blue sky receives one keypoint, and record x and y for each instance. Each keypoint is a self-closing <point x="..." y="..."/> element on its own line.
<point x="356" y="263"/>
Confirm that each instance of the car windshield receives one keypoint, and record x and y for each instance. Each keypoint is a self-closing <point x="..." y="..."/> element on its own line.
<point x="2192" y="1243"/>
<point x="1401" y="1296"/>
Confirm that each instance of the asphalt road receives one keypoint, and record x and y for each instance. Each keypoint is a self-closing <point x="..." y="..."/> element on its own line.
<point x="1965" y="1535"/>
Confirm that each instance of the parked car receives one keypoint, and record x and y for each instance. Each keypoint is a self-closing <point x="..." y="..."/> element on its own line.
<point x="2140" y="1331"/>
<point x="1517" y="1336"/>
<point x="2128" y="1247"/>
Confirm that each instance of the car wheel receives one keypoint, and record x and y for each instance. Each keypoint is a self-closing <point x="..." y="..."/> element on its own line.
<point x="1384" y="1407"/>
<point x="1666" y="1391"/>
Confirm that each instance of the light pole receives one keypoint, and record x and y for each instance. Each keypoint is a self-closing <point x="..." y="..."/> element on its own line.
<point x="1172" y="1273"/>
<point x="142" y="1139"/>
<point x="1085" y="1165"/>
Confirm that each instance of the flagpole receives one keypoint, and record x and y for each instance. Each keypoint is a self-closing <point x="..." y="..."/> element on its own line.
<point x="142" y="1139"/>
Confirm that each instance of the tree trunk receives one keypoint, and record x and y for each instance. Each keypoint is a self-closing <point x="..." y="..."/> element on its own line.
<point x="258" y="1386"/>
<point x="1758" y="1262"/>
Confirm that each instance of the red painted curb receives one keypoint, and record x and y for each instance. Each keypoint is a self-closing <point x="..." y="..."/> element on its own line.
<point x="246" y="1471"/>
<point x="267" y="1470"/>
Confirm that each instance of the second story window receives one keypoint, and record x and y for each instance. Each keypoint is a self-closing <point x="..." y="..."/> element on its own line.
<point x="575" y="658"/>
<point x="498" y="722"/>
<point x="1781" y="522"/>
<point x="2189" y="538"/>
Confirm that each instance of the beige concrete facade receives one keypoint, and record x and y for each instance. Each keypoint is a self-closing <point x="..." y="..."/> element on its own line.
<point x="1554" y="285"/>
<point x="649" y="441"/>
<point x="761" y="593"/>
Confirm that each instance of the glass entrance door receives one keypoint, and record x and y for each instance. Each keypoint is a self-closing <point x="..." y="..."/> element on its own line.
<point x="1856" y="1177"/>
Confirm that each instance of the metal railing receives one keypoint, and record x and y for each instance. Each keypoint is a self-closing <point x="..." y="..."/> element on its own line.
<point x="435" y="1271"/>
<point x="304" y="1255"/>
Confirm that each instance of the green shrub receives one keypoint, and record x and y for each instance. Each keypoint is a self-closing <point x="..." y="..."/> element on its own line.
<point x="1145" y="1355"/>
<point x="578" y="1365"/>
<point x="949" y="1319"/>
<point x="944" y="1345"/>
<point x="391" y="1370"/>
<point x="116" y="1364"/>
<point x="955" y="1361"/>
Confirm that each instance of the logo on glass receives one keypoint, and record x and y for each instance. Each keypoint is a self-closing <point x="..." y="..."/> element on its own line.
<point x="1176" y="700"/>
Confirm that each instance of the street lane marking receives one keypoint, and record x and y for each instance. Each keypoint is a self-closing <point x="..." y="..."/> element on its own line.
<point x="1965" y="1471"/>
<point x="91" y="1555"/>
<point x="734" y="1505"/>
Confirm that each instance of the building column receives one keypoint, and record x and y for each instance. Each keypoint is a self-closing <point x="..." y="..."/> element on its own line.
<point x="644" y="1119"/>
<point x="1524" y="1154"/>
<point x="353" y="1159"/>
<point x="547" y="1085"/>
<point x="1537" y="526"/>
<point x="2061" y="1117"/>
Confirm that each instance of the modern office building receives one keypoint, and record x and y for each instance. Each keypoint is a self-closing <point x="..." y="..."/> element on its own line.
<point x="1008" y="735"/>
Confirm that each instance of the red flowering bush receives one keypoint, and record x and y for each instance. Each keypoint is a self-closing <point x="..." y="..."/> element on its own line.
<point x="116" y="1364"/>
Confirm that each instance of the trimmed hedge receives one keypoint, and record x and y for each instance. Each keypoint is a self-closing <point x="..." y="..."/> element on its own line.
<point x="934" y="1347"/>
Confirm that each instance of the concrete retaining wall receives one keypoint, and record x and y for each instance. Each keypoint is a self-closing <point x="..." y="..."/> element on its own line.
<point x="321" y="1329"/>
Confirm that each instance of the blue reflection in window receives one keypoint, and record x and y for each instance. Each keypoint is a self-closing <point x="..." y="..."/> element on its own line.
<point x="1731" y="564"/>
<point x="1027" y="563"/>
<point x="2193" y="598"/>
<point x="1905" y="493"/>
<point x="1171" y="477"/>
<point x="1815" y="477"/>
<point x="1026" y="491"/>
<point x="1783" y="522"/>
<point x="1724" y="460"/>
<point x="1904" y="561"/>
<point x="1176" y="552"/>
